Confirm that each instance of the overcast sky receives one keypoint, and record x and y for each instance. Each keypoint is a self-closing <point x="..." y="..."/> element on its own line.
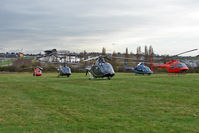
<point x="170" y="26"/>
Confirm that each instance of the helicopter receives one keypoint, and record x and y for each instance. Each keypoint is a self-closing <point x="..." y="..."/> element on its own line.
<point x="174" y="66"/>
<point x="37" y="71"/>
<point x="64" y="70"/>
<point x="139" y="69"/>
<point x="100" y="68"/>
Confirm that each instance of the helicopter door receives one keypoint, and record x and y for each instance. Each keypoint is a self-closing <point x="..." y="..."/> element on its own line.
<point x="172" y="68"/>
<point x="175" y="68"/>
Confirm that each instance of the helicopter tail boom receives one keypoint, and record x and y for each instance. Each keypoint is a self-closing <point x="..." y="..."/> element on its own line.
<point x="127" y="67"/>
<point x="152" y="66"/>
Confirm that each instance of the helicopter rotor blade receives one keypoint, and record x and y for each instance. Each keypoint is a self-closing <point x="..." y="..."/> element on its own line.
<point x="166" y="58"/>
<point x="107" y="57"/>
<point x="135" y="62"/>
<point x="92" y="58"/>
<point x="185" y="52"/>
<point x="129" y="59"/>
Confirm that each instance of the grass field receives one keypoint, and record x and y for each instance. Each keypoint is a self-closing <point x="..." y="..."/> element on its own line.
<point x="6" y="62"/>
<point x="127" y="103"/>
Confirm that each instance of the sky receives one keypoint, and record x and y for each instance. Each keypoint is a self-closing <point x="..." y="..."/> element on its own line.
<point x="170" y="26"/>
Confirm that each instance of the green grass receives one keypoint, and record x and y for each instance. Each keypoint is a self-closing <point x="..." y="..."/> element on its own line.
<point x="126" y="103"/>
<point x="27" y="58"/>
<point x="6" y="62"/>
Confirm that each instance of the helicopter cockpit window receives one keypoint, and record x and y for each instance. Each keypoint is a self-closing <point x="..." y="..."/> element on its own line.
<point x="107" y="68"/>
<point x="147" y="69"/>
<point x="180" y="65"/>
<point x="184" y="65"/>
<point x="139" y="68"/>
<point x="172" y="67"/>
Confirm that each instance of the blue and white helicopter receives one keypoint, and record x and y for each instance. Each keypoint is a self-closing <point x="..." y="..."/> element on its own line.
<point x="139" y="69"/>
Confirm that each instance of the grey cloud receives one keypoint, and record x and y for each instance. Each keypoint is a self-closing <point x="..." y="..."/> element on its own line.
<point x="89" y="24"/>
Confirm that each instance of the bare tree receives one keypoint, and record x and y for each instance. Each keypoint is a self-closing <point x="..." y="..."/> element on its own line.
<point x="146" y="52"/>
<point x="127" y="51"/>
<point x="139" y="52"/>
<point x="151" y="50"/>
<point x="114" y="61"/>
<point x="103" y="51"/>
<point x="126" y="55"/>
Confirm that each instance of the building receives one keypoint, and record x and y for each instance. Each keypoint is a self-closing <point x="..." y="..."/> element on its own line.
<point x="54" y="56"/>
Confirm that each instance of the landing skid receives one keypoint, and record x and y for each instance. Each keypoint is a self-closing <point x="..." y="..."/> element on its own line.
<point x="93" y="77"/>
<point x="90" y="76"/>
<point x="171" y="74"/>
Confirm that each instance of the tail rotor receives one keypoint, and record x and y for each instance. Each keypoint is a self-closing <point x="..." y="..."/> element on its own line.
<point x="152" y="65"/>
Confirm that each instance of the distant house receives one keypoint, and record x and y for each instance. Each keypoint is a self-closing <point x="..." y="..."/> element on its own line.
<point x="50" y="52"/>
<point x="59" y="56"/>
<point x="2" y="55"/>
<point x="8" y="55"/>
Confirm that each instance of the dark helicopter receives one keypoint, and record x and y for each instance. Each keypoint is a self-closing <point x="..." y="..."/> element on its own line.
<point x="100" y="68"/>
<point x="64" y="70"/>
<point x="139" y="69"/>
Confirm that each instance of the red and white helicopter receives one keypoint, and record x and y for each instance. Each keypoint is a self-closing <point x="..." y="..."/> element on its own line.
<point x="37" y="71"/>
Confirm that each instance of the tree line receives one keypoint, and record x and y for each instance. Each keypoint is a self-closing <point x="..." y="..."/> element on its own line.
<point x="26" y="65"/>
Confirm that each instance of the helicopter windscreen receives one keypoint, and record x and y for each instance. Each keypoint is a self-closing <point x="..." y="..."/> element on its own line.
<point x="65" y="70"/>
<point x="181" y="65"/>
<point x="140" y="67"/>
<point x="147" y="69"/>
<point x="107" y="68"/>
